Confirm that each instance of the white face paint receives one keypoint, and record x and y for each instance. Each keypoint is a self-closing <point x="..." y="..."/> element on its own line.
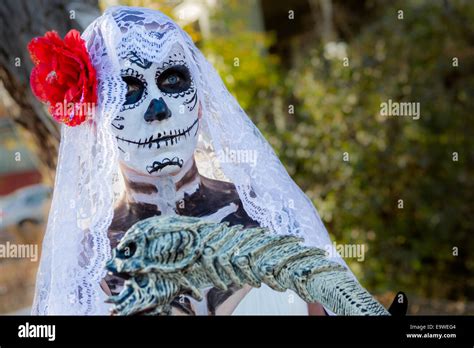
<point x="157" y="127"/>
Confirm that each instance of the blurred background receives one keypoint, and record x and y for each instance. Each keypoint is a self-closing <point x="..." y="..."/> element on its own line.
<point x="312" y="74"/>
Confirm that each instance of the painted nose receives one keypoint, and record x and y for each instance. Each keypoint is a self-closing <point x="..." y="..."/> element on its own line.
<point x="157" y="111"/>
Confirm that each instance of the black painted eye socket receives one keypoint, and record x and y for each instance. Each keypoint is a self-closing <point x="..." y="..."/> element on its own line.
<point x="135" y="88"/>
<point x="176" y="79"/>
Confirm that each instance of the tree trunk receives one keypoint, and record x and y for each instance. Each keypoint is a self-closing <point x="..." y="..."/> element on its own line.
<point x="21" y="21"/>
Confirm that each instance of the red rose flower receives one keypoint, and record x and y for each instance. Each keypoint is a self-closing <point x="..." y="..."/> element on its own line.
<point x="63" y="76"/>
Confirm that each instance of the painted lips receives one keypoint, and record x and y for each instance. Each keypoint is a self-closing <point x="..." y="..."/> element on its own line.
<point x="173" y="137"/>
<point x="158" y="166"/>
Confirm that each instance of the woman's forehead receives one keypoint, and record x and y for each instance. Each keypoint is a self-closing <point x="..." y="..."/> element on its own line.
<point x="135" y="59"/>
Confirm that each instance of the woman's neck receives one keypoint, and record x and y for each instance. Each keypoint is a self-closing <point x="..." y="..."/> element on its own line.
<point x="165" y="192"/>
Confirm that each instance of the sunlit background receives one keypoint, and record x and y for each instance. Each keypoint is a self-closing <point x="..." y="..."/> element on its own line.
<point x="312" y="74"/>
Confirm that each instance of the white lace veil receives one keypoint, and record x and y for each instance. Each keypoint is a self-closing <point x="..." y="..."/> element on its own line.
<point x="76" y="246"/>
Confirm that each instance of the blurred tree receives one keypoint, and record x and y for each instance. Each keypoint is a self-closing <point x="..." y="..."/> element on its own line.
<point x="238" y="49"/>
<point x="21" y="21"/>
<point x="337" y="110"/>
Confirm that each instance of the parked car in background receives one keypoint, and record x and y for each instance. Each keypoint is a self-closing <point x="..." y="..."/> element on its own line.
<point x="25" y="205"/>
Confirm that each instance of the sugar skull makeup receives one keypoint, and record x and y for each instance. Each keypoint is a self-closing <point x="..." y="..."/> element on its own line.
<point x="157" y="126"/>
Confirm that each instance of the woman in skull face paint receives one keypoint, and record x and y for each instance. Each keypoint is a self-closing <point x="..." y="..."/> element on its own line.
<point x="163" y="118"/>
<point x="157" y="131"/>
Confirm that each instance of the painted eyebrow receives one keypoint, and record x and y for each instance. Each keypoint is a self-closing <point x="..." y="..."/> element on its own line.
<point x="135" y="59"/>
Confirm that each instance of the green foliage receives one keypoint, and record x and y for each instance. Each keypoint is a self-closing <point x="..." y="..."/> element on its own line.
<point x="239" y="53"/>
<point x="338" y="110"/>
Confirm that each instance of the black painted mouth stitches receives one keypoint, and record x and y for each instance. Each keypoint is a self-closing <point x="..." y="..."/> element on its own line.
<point x="163" y="138"/>
<point x="158" y="166"/>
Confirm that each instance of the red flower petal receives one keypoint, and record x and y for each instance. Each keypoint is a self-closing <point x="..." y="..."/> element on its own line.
<point x="63" y="76"/>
